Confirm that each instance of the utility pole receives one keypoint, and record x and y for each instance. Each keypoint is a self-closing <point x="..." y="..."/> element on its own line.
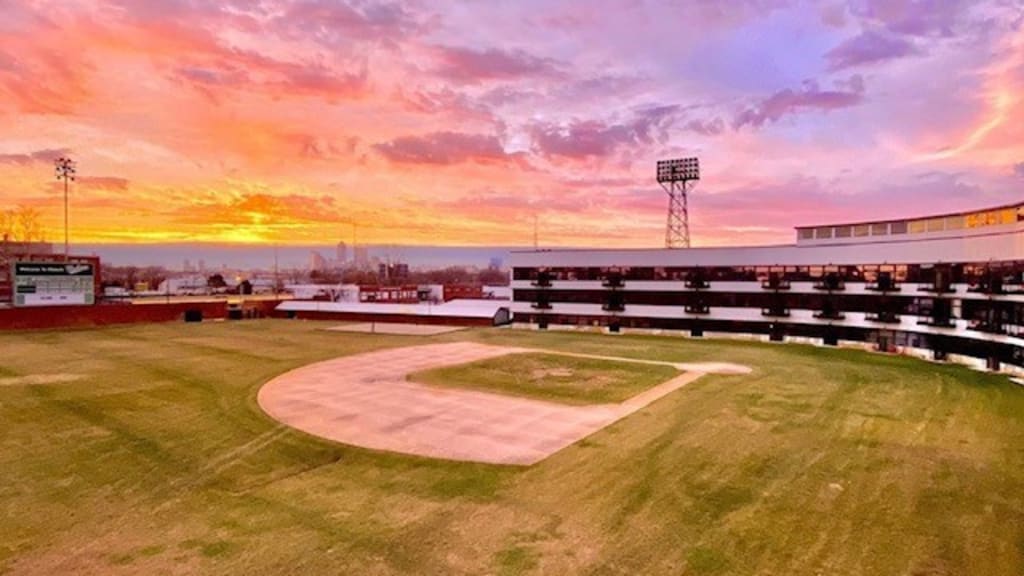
<point x="65" y="170"/>
<point x="276" y="280"/>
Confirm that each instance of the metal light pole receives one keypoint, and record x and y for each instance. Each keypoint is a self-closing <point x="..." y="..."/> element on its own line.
<point x="678" y="177"/>
<point x="65" y="170"/>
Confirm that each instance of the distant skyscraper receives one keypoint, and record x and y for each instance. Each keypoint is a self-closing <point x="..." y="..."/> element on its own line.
<point x="362" y="256"/>
<point x="317" y="262"/>
<point x="341" y="254"/>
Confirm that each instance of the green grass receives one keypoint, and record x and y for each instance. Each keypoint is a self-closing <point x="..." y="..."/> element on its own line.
<point x="157" y="460"/>
<point x="566" y="379"/>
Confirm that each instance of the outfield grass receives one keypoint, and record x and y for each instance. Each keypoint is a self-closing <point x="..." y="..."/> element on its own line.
<point x="140" y="450"/>
<point x="565" y="379"/>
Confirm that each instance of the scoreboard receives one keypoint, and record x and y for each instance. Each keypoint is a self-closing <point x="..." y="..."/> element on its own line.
<point x="53" y="283"/>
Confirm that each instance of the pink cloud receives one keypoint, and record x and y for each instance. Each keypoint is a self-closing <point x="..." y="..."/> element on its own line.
<point x="108" y="183"/>
<point x="323" y="148"/>
<point x="38" y="156"/>
<point x="332" y="21"/>
<point x="443" y="148"/>
<point x="706" y="127"/>
<point x="914" y="17"/>
<point x="468" y="65"/>
<point x="41" y="79"/>
<point x="223" y="68"/>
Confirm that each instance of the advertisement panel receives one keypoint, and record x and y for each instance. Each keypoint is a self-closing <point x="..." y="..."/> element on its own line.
<point x="53" y="283"/>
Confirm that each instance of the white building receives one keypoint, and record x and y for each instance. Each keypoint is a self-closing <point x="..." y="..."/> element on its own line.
<point x="951" y="284"/>
<point x="189" y="284"/>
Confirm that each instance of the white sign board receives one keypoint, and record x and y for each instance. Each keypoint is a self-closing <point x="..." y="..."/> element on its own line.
<point x="53" y="283"/>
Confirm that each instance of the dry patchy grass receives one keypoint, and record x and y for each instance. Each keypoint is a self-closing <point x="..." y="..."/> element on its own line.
<point x="157" y="460"/>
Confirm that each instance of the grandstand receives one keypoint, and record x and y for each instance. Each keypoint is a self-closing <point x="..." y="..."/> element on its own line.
<point x="950" y="286"/>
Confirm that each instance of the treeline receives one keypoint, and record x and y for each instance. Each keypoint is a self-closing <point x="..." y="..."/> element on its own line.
<point x="129" y="277"/>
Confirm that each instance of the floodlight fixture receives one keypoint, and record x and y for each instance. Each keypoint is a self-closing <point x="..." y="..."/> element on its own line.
<point x="678" y="170"/>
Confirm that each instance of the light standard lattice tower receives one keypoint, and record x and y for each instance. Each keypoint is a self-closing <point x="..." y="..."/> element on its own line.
<point x="677" y="177"/>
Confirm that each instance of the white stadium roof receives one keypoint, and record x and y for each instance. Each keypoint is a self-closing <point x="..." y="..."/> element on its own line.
<point x="455" y="308"/>
<point x="997" y="243"/>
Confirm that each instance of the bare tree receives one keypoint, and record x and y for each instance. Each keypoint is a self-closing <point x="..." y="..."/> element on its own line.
<point x="7" y="221"/>
<point x="21" y="224"/>
<point x="28" y="224"/>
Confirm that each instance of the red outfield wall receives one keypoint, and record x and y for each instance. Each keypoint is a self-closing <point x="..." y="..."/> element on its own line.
<point x="106" y="314"/>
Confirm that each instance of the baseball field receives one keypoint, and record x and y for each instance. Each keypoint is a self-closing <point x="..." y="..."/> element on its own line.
<point x="148" y="450"/>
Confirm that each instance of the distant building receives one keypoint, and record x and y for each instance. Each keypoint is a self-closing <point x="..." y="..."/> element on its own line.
<point x="317" y="262"/>
<point x="433" y="293"/>
<point x="463" y="292"/>
<point x="341" y="254"/>
<point x="946" y="286"/>
<point x="262" y="285"/>
<point x="324" y="292"/>
<point x="498" y="292"/>
<point x="405" y="294"/>
<point x="13" y="248"/>
<point x="361" y="256"/>
<point x="189" y="284"/>
<point x="393" y="272"/>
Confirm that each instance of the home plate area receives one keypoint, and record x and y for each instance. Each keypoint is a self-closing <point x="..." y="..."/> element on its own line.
<point x="366" y="400"/>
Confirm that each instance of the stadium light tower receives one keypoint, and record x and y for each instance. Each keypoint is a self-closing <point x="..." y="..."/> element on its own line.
<point x="65" y="170"/>
<point x="677" y="177"/>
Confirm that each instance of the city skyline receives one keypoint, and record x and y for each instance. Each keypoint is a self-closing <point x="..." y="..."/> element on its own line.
<point x="457" y="124"/>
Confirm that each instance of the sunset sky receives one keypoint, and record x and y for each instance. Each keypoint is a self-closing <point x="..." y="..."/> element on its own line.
<point x="439" y="122"/>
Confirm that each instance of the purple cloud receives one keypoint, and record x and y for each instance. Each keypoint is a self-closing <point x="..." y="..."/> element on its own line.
<point x="332" y="21"/>
<point x="443" y="148"/>
<point x="594" y="138"/>
<point x="788" y="101"/>
<point x="1018" y="169"/>
<point x="43" y="156"/>
<point x="869" y="48"/>
<point x="467" y="65"/>
<point x="913" y="17"/>
<point x="705" y="127"/>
